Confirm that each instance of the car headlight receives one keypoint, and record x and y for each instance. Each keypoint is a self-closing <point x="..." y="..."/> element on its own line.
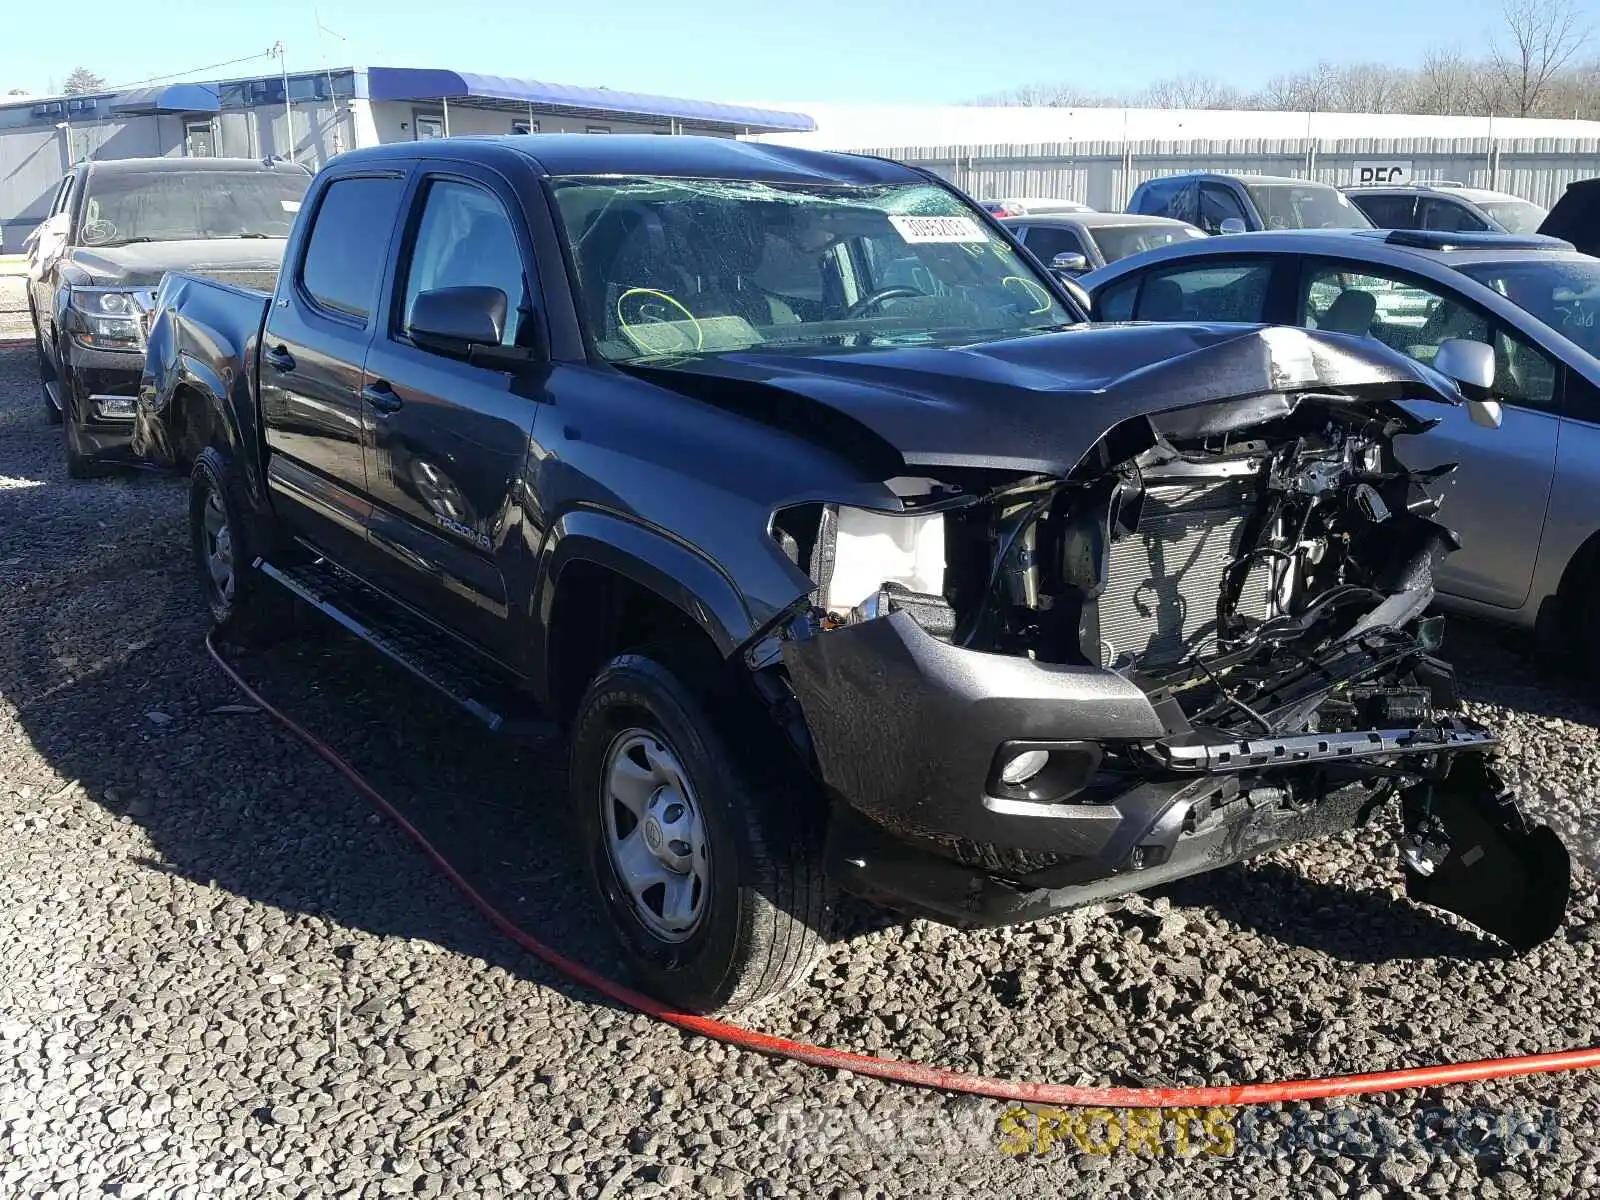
<point x="871" y="549"/>
<point x="106" y="318"/>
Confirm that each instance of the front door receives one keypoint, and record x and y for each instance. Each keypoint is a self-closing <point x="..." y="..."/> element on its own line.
<point x="1497" y="497"/>
<point x="447" y="440"/>
<point x="312" y="353"/>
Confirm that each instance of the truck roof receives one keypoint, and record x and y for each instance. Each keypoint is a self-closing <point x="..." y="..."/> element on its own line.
<point x="144" y="166"/>
<point x="684" y="156"/>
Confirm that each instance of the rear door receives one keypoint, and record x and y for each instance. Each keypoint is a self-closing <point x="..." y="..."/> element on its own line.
<point x="313" y="349"/>
<point x="447" y="440"/>
<point x="1498" y="497"/>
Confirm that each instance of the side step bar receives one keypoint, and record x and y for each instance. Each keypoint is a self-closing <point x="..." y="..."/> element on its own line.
<point x="406" y="640"/>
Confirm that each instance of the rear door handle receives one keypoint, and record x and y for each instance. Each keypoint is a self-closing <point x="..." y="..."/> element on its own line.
<point x="279" y="358"/>
<point x="381" y="396"/>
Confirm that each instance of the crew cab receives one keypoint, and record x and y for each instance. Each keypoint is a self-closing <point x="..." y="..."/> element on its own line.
<point x="1220" y="203"/>
<point x="115" y="227"/>
<point x="845" y="552"/>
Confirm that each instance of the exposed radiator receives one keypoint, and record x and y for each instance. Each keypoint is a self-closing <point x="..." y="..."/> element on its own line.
<point x="1160" y="601"/>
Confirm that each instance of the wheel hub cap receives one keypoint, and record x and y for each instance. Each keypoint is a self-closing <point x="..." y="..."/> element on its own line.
<point x="655" y="834"/>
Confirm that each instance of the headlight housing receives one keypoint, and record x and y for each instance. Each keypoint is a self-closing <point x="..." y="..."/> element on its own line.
<point x="104" y="318"/>
<point x="871" y="549"/>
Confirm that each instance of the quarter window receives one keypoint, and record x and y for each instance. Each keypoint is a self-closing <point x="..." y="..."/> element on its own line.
<point x="344" y="256"/>
<point x="465" y="238"/>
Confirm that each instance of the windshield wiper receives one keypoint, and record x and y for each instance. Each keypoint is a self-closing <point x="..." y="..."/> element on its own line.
<point x="127" y="241"/>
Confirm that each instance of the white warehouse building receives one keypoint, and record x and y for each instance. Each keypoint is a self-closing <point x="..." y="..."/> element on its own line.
<point x="311" y="116"/>
<point x="1099" y="155"/>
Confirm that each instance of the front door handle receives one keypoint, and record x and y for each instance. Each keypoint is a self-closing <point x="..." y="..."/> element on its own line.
<point x="381" y="396"/>
<point x="279" y="358"/>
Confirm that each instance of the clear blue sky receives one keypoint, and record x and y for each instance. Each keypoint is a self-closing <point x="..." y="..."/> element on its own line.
<point x="847" y="50"/>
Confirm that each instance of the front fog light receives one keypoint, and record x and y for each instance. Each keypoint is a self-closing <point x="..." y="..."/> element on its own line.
<point x="1024" y="766"/>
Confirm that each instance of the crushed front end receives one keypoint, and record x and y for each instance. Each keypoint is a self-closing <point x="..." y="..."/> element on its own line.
<point x="1208" y="639"/>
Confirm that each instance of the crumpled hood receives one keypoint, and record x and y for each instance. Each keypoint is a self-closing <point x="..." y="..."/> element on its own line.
<point x="1039" y="404"/>
<point x="146" y="262"/>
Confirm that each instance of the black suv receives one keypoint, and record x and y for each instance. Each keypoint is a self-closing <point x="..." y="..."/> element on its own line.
<point x="114" y="229"/>
<point x="803" y="498"/>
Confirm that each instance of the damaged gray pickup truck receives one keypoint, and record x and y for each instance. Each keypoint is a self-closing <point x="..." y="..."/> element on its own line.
<point x="803" y="497"/>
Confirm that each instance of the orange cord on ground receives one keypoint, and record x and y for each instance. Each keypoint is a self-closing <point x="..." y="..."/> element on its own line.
<point x="918" y="1074"/>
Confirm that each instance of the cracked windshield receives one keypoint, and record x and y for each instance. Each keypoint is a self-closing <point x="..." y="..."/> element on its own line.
<point x="678" y="267"/>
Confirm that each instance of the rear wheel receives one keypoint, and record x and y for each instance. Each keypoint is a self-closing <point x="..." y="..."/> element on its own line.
<point x="702" y="857"/>
<point x="244" y="604"/>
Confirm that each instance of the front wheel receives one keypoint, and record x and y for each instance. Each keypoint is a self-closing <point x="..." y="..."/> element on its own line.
<point x="47" y="375"/>
<point x="703" y="861"/>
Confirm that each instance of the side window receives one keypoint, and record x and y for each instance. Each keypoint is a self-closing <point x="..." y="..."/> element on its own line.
<point x="1209" y="292"/>
<point x="1451" y="216"/>
<point x="466" y="238"/>
<point x="344" y="256"/>
<point x="1047" y="241"/>
<point x="1115" y="302"/>
<point x="1523" y="374"/>
<point x="1390" y="212"/>
<point x="63" y="193"/>
<point x="1217" y="204"/>
<point x="1416" y="319"/>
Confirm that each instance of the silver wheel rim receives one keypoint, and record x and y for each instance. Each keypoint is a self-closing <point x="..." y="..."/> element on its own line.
<point x="655" y="834"/>
<point x="218" y="545"/>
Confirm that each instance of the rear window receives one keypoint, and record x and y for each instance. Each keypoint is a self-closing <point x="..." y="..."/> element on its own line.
<point x="344" y="256"/>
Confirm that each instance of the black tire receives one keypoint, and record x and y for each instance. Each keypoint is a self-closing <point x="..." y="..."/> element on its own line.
<point x="252" y="608"/>
<point x="759" y="932"/>
<point x="47" y="375"/>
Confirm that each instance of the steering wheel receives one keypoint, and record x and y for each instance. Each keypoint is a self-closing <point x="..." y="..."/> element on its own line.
<point x="893" y="292"/>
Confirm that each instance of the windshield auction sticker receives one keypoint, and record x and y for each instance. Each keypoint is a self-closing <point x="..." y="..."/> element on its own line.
<point x="938" y="229"/>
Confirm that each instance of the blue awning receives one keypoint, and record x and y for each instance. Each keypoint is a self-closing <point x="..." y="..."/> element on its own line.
<point x="416" y="83"/>
<point x="172" y="98"/>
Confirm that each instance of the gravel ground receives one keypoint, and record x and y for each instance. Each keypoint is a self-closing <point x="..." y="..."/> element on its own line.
<point x="220" y="976"/>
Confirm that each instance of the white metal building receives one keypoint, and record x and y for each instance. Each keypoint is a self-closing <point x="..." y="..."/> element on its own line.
<point x="1099" y="155"/>
<point x="313" y="116"/>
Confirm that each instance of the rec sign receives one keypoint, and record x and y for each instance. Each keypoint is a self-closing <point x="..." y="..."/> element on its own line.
<point x="1382" y="173"/>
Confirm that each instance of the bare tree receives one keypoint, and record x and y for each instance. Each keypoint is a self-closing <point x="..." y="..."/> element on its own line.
<point x="1192" y="90"/>
<point x="82" y="81"/>
<point x="1372" y="88"/>
<point x="1445" y="83"/>
<point x="1543" y="37"/>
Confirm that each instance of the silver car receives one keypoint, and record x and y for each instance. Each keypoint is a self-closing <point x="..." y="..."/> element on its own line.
<point x="1526" y="497"/>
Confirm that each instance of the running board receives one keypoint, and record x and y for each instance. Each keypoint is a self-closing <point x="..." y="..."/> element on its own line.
<point x="404" y="639"/>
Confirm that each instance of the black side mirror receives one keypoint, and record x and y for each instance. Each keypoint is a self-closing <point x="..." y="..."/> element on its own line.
<point x="466" y="322"/>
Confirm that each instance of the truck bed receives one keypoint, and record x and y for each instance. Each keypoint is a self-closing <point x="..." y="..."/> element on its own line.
<point x="204" y="330"/>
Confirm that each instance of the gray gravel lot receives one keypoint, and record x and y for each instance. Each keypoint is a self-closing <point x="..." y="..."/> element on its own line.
<point x="219" y="975"/>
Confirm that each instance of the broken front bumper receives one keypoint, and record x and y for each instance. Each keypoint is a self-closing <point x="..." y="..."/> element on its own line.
<point x="910" y="735"/>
